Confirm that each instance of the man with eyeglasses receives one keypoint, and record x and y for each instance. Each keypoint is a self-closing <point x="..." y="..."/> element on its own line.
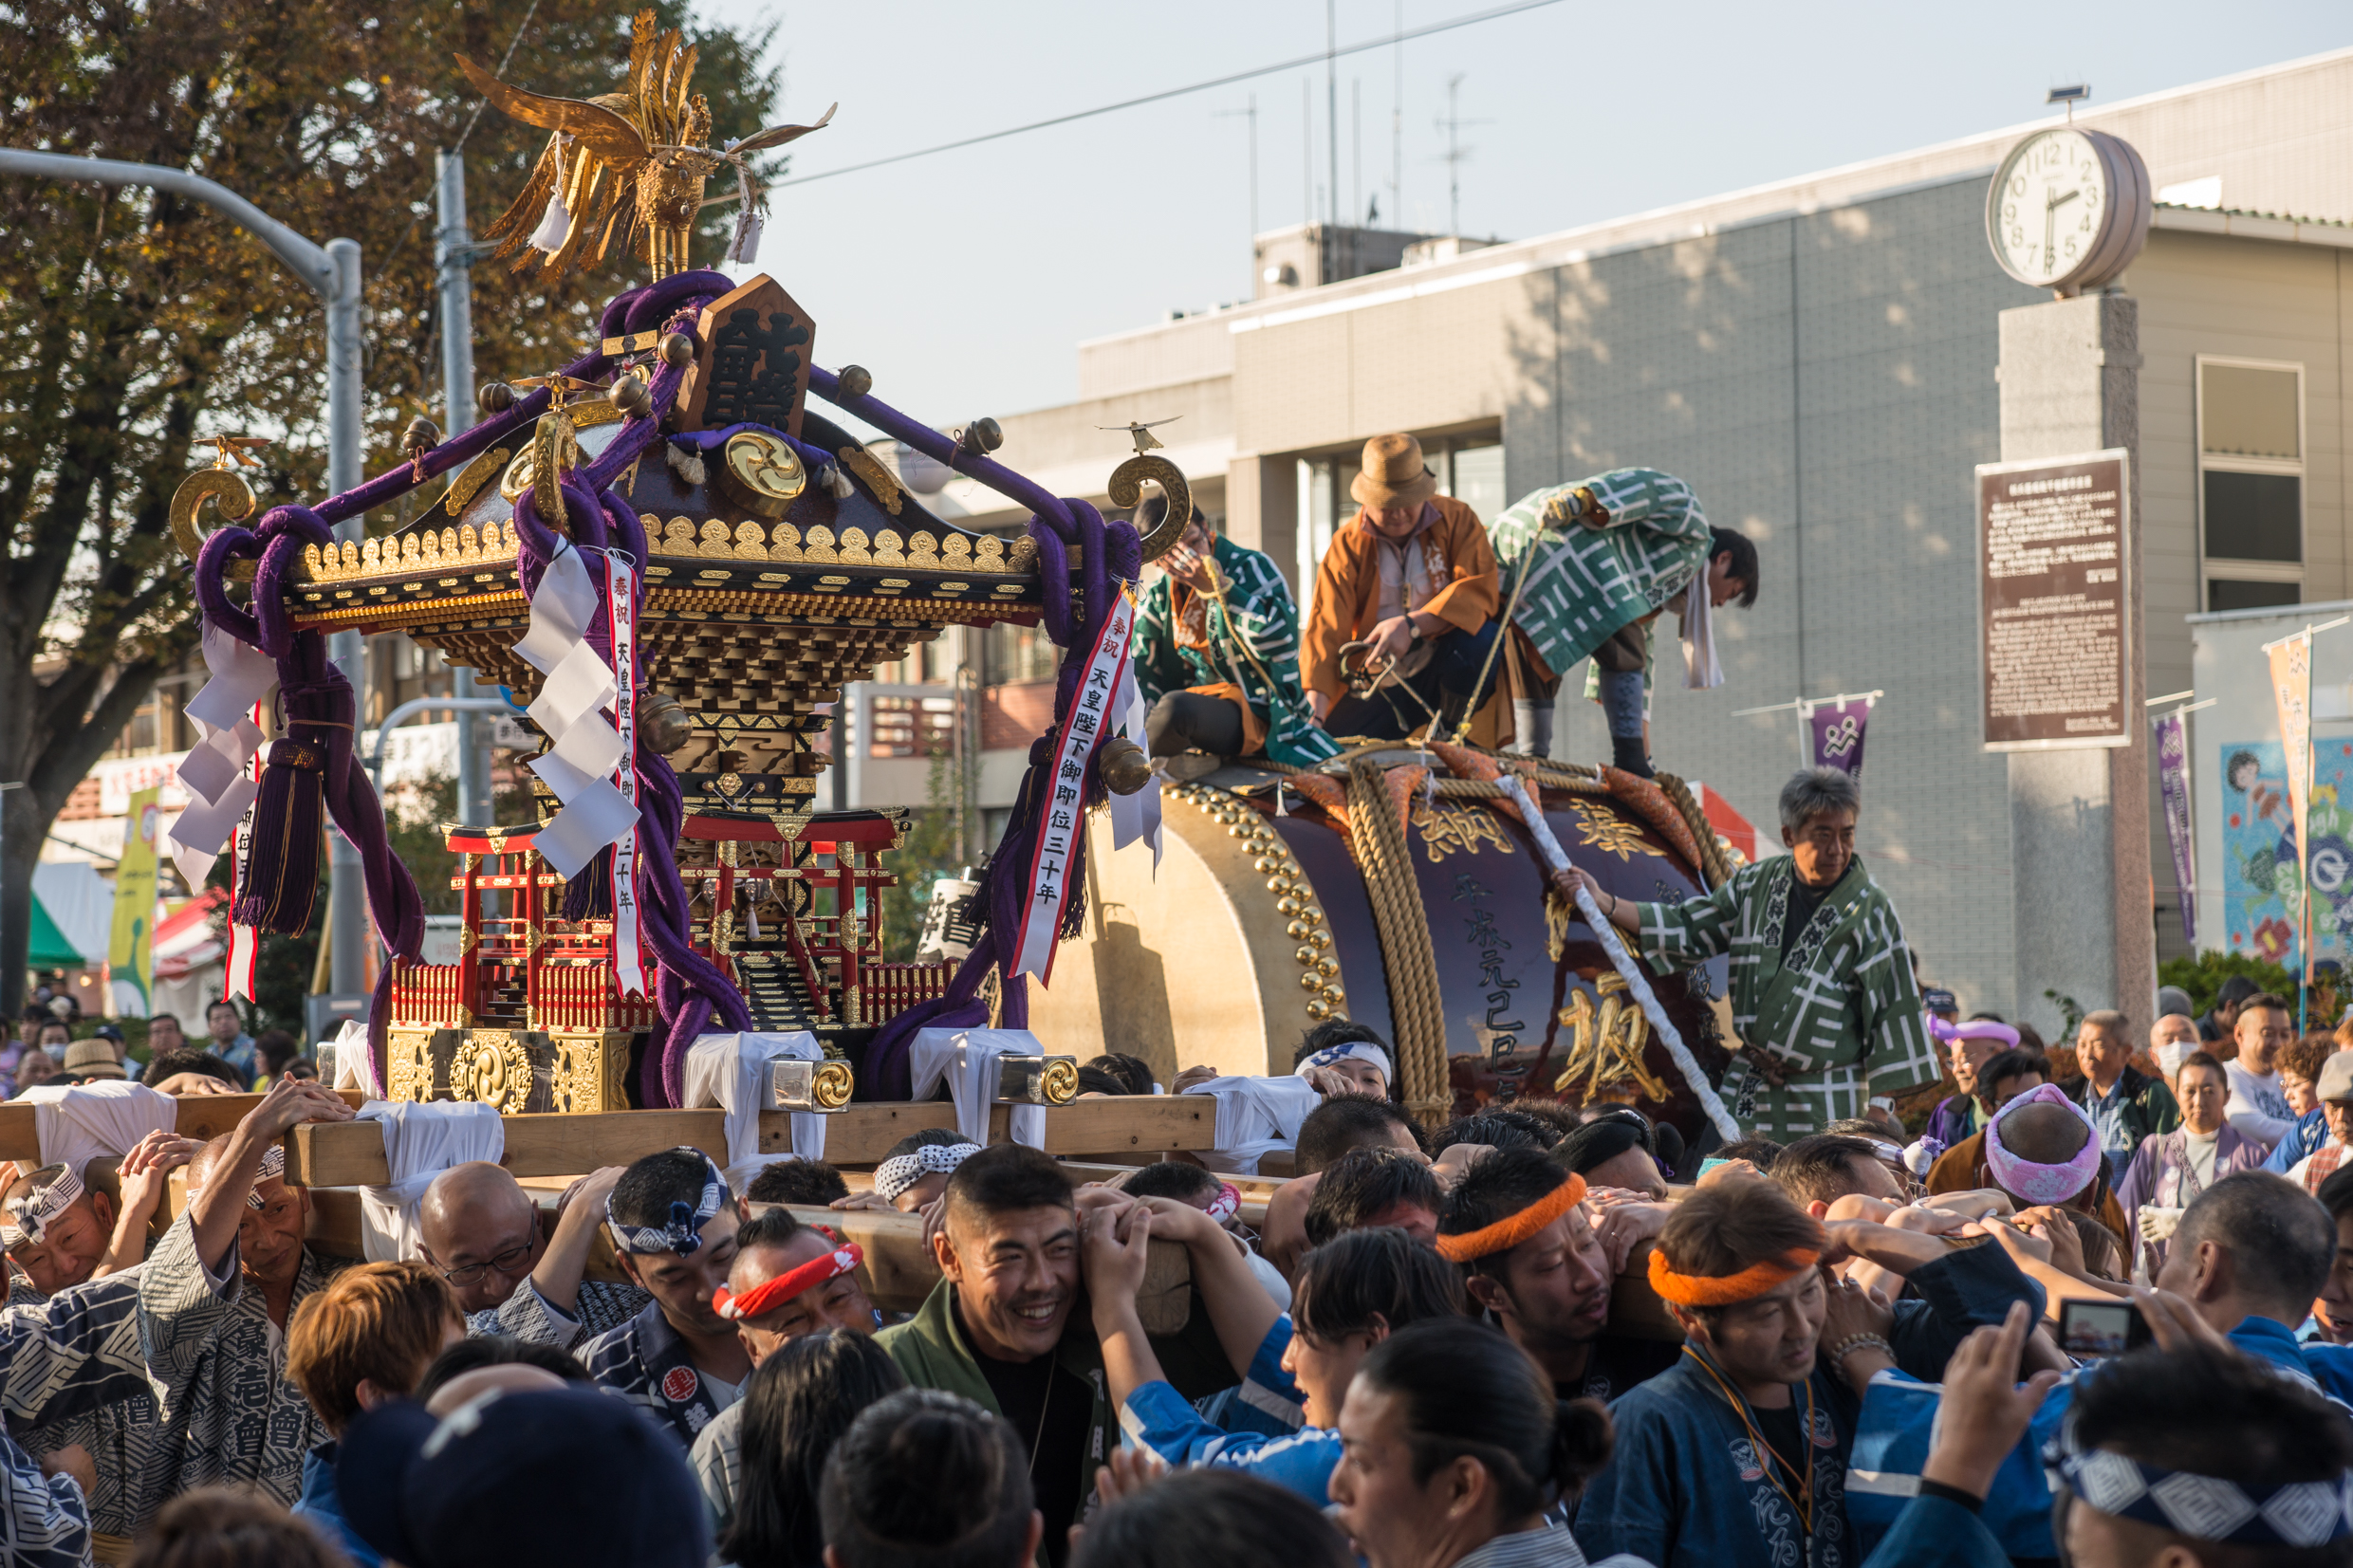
<point x="2258" y="1106"/>
<point x="513" y="1273"/>
<point x="1823" y="993"/>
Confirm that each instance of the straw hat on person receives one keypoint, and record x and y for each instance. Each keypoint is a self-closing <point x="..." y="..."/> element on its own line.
<point x="1393" y="474"/>
<point x="92" y="1059"/>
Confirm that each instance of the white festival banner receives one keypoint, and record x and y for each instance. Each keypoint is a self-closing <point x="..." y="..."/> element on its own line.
<point x="628" y="963"/>
<point x="1062" y="818"/>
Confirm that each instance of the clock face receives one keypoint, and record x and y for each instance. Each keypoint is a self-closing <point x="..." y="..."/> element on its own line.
<point x="2047" y="210"/>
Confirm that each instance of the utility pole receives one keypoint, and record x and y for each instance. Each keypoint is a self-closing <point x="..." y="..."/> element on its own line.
<point x="453" y="247"/>
<point x="1331" y="96"/>
<point x="332" y="272"/>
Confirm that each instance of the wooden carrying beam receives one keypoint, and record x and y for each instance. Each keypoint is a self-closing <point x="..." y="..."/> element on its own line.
<point x="556" y="1144"/>
<point x="900" y="1269"/>
<point x="200" y="1117"/>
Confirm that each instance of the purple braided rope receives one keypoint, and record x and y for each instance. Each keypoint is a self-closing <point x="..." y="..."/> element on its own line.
<point x="1114" y="556"/>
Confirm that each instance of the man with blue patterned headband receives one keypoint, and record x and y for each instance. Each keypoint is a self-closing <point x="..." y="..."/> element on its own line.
<point x="673" y="1221"/>
<point x="1351" y="1054"/>
<point x="2190" y="1456"/>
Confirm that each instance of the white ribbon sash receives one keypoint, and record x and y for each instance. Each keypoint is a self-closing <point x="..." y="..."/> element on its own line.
<point x="1061" y="817"/>
<point x="215" y="772"/>
<point x="628" y="963"/>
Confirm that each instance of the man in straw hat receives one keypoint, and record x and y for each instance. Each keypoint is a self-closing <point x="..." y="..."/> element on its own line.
<point x="1413" y="578"/>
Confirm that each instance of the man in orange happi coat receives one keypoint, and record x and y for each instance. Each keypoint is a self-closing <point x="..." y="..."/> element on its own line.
<point x="1413" y="574"/>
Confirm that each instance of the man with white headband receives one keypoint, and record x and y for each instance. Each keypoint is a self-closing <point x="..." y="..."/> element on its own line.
<point x="788" y="1279"/>
<point x="917" y="1170"/>
<point x="214" y="1300"/>
<point x="674" y="1223"/>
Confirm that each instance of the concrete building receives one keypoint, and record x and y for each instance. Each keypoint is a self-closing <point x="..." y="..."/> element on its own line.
<point x="1820" y="358"/>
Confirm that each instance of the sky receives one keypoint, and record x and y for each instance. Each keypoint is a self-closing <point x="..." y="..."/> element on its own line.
<point x="964" y="281"/>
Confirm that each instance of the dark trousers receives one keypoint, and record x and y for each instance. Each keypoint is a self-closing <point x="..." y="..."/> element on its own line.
<point x="1189" y="721"/>
<point x="1449" y="683"/>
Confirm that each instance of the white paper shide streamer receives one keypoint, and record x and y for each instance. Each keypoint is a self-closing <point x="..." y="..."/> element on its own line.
<point x="217" y="773"/>
<point x="585" y="750"/>
<point x="1062" y="816"/>
<point x="1556" y="858"/>
<point x="1136" y="815"/>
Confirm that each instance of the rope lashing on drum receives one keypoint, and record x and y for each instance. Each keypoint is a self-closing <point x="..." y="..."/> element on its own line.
<point x="1417" y="1010"/>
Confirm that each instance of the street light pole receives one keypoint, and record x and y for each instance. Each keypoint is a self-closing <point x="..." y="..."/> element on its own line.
<point x="453" y="254"/>
<point x="332" y="272"/>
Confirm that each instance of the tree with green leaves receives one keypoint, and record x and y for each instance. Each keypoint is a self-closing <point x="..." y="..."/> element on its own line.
<point x="133" y="324"/>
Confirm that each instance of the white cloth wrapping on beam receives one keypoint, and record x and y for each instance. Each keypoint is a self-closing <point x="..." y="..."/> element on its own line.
<point x="968" y="1060"/>
<point x="1255" y="1116"/>
<point x="355" y="1068"/>
<point x="78" y="1122"/>
<point x="731" y="1072"/>
<point x="422" y="1140"/>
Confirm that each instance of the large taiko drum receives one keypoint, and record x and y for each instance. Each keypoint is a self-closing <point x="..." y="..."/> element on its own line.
<point x="1258" y="925"/>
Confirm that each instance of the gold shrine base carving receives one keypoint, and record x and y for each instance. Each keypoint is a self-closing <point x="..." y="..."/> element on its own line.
<point x="516" y="1070"/>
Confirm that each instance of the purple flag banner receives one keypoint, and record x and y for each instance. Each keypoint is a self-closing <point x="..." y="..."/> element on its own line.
<point x="1832" y="733"/>
<point x="2172" y="787"/>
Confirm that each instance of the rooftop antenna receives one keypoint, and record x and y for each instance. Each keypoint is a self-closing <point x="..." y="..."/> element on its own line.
<point x="1331" y="95"/>
<point x="2070" y="96"/>
<point x="1356" y="149"/>
<point x="1307" y="150"/>
<point x="1455" y="153"/>
<point x="1250" y="114"/>
<point x="1396" y="125"/>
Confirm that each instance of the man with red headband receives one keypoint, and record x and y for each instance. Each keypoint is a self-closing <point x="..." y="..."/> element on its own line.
<point x="1736" y="1456"/>
<point x="787" y="1280"/>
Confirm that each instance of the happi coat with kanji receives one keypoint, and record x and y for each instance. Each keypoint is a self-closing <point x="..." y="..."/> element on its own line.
<point x="1240" y="643"/>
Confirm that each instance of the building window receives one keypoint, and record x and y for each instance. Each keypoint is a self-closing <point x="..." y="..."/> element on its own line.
<point x="1469" y="468"/>
<point x="1018" y="653"/>
<point x="2251" y="482"/>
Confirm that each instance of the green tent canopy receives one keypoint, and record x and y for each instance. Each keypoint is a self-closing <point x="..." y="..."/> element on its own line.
<point x="50" y="950"/>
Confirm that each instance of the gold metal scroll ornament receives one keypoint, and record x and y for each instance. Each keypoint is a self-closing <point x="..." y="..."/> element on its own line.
<point x="232" y="500"/>
<point x="1059" y="1083"/>
<point x="831" y="1085"/>
<point x="1126" y="490"/>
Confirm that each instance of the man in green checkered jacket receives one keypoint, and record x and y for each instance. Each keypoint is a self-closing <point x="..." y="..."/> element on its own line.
<point x="1216" y="652"/>
<point x="1584" y="570"/>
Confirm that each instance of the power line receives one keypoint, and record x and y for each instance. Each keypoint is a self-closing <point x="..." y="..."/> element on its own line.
<point x="1475" y="17"/>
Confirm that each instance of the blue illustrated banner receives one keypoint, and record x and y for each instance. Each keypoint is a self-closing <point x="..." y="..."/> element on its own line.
<point x="2260" y="883"/>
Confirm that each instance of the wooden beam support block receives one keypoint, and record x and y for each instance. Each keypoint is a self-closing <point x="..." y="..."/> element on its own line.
<point x="1124" y="1123"/>
<point x="347" y="1153"/>
<point x="860" y="1133"/>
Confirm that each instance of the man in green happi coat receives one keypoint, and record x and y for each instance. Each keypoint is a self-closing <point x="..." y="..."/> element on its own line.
<point x="1217" y="654"/>
<point x="1822" y="987"/>
<point x="1585" y="568"/>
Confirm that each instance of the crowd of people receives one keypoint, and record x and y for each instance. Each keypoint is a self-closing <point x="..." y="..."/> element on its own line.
<point x="50" y="1045"/>
<point x="1534" y="1337"/>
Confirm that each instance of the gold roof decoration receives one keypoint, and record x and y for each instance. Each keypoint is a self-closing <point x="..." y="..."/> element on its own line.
<point x="627" y="166"/>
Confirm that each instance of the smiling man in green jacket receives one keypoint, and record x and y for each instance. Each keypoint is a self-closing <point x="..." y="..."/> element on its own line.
<point x="999" y="1329"/>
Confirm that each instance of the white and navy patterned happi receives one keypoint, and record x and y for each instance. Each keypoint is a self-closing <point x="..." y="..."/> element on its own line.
<point x="683" y="1233"/>
<point x="2204" y="1508"/>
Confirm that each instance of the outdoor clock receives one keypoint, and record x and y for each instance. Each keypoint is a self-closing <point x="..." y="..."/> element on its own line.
<point x="2069" y="209"/>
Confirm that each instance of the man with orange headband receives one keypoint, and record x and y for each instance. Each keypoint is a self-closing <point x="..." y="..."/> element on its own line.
<point x="787" y="1280"/>
<point x="1736" y="1456"/>
<point x="1534" y="1257"/>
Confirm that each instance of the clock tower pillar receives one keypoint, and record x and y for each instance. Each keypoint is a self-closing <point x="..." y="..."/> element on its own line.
<point x="2079" y="818"/>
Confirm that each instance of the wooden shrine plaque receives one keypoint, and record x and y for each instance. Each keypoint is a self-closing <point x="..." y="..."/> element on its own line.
<point x="753" y="365"/>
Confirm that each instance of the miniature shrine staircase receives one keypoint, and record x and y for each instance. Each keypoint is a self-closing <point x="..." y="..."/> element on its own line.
<point x="775" y="991"/>
<point x="502" y="1003"/>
